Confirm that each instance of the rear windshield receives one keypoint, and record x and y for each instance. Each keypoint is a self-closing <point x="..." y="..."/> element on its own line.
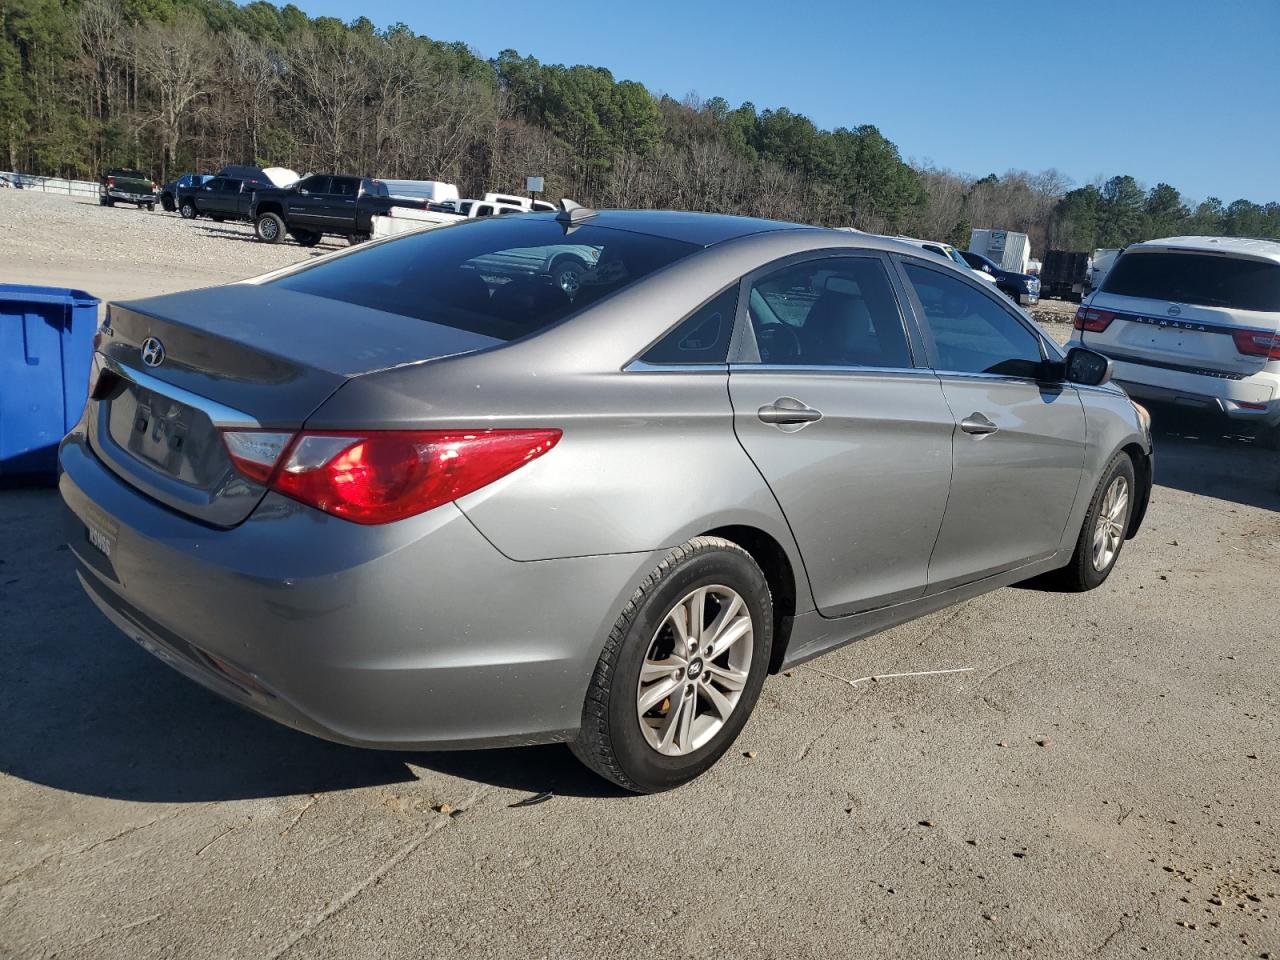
<point x="1196" y="278"/>
<point x="505" y="277"/>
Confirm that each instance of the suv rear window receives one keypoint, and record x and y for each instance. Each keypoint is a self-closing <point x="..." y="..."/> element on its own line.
<point x="503" y="277"/>
<point x="1196" y="278"/>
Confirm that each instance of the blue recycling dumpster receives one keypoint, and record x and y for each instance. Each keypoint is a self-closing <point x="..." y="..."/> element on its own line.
<point x="46" y="348"/>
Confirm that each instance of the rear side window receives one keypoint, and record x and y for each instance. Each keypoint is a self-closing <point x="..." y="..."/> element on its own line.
<point x="344" y="187"/>
<point x="838" y="311"/>
<point x="1197" y="278"/>
<point x="703" y="337"/>
<point x="501" y="277"/>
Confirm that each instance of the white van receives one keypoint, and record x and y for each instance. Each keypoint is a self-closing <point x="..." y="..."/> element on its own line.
<point x="1194" y="321"/>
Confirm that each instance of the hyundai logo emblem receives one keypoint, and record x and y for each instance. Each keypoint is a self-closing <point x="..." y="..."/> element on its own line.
<point x="152" y="352"/>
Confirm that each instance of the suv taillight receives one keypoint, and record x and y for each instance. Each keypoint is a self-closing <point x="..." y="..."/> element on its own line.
<point x="1257" y="343"/>
<point x="380" y="476"/>
<point x="1094" y="321"/>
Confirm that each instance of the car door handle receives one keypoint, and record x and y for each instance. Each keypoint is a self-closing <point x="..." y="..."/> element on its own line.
<point x="978" y="424"/>
<point x="788" y="410"/>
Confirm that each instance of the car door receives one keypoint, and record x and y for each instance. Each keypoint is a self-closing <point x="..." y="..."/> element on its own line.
<point x="833" y="403"/>
<point x="307" y="203"/>
<point x="204" y="197"/>
<point x="1020" y="438"/>
<point x="340" y="211"/>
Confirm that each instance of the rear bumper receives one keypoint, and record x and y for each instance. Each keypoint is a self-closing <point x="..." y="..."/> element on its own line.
<point x="1255" y="399"/>
<point x="129" y="197"/>
<point x="417" y="635"/>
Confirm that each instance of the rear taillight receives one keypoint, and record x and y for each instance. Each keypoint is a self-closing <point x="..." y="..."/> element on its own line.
<point x="383" y="476"/>
<point x="111" y="181"/>
<point x="1094" y="321"/>
<point x="155" y="187"/>
<point x="1257" y="343"/>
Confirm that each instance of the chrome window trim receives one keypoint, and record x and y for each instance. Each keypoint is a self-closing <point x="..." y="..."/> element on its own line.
<point x="220" y="414"/>
<point x="640" y="366"/>
<point x="749" y="367"/>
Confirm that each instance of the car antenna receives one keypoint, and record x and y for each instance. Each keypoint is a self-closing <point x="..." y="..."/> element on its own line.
<point x="571" y="212"/>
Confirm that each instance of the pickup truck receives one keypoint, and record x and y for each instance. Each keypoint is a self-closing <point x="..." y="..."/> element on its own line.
<point x="323" y="204"/>
<point x="219" y="198"/>
<point x="127" y="186"/>
<point x="169" y="192"/>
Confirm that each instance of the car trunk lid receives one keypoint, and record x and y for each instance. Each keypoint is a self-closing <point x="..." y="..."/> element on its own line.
<point x="174" y="371"/>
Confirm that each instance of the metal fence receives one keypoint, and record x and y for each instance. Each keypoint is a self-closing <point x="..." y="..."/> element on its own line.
<point x="69" y="188"/>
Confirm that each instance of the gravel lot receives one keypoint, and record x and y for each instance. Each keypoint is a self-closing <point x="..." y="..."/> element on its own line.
<point x="1103" y="783"/>
<point x="121" y="252"/>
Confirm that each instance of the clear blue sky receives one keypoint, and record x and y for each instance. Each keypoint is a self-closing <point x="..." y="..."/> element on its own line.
<point x="1183" y="91"/>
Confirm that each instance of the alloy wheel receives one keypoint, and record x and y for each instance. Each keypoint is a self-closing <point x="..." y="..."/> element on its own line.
<point x="1108" y="532"/>
<point x="695" y="670"/>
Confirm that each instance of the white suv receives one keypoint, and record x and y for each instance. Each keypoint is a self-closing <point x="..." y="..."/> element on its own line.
<point x="1193" y="321"/>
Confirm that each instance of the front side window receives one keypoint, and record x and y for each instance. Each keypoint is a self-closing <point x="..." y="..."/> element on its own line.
<point x="703" y="337"/>
<point x="973" y="333"/>
<point x="502" y="277"/>
<point x="1201" y="279"/>
<point x="314" y="184"/>
<point x="838" y="311"/>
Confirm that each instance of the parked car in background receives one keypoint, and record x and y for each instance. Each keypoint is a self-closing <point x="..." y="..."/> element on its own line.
<point x="122" y="185"/>
<point x="1100" y="263"/>
<point x="218" y="198"/>
<point x="1008" y="250"/>
<point x="433" y="191"/>
<point x="1065" y="274"/>
<point x="169" y="192"/>
<point x="950" y="253"/>
<point x="1194" y="321"/>
<point x="1021" y="288"/>
<point x="323" y="204"/>
<point x="425" y="508"/>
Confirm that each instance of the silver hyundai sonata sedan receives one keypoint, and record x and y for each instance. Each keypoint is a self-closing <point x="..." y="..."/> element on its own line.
<point x="423" y="494"/>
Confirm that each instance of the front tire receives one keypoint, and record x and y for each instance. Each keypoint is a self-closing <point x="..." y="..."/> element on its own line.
<point x="269" y="228"/>
<point x="188" y="210"/>
<point x="681" y="669"/>
<point x="1103" y="532"/>
<point x="167" y="204"/>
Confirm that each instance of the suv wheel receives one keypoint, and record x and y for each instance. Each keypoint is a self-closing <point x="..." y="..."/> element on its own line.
<point x="187" y="210"/>
<point x="681" y="670"/>
<point x="269" y="228"/>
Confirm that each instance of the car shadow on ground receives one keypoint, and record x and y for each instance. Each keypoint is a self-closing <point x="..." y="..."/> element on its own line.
<point x="85" y="710"/>
<point x="249" y="237"/>
<point x="1212" y="457"/>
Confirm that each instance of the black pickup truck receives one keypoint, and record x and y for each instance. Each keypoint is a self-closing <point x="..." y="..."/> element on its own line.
<point x="307" y="210"/>
<point x="323" y="204"/>
<point x="219" y="198"/>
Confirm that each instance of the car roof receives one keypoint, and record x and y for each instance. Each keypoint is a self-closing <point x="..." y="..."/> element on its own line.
<point x="1237" y="246"/>
<point x="702" y="229"/>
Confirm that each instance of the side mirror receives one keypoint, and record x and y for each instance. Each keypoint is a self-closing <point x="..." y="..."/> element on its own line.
<point x="1087" y="367"/>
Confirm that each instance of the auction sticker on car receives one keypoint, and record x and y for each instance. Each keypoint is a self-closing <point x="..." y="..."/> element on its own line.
<point x="100" y="529"/>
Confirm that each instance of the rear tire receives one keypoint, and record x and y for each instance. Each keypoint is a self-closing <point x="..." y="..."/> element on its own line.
<point x="269" y="228"/>
<point x="724" y="663"/>
<point x="354" y="238"/>
<point x="216" y="218"/>
<point x="151" y="208"/>
<point x="106" y="201"/>
<point x="167" y="204"/>
<point x="1102" y="535"/>
<point x="188" y="210"/>
<point x="307" y="238"/>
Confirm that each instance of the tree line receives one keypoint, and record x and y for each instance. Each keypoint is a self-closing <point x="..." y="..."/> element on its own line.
<point x="174" y="86"/>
